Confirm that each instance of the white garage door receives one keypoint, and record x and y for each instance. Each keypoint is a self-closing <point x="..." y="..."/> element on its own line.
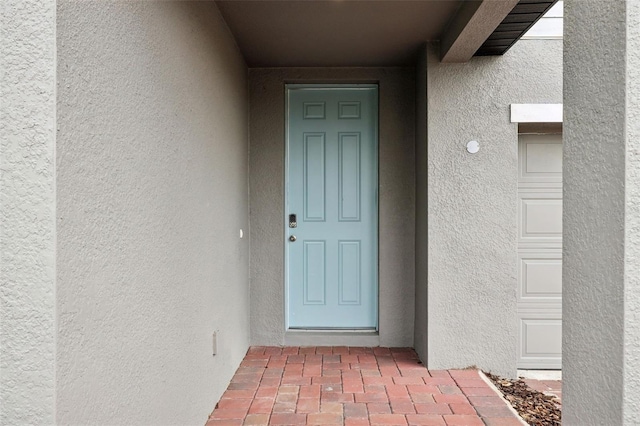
<point x="540" y="251"/>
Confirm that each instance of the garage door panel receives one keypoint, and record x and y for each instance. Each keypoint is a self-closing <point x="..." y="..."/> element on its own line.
<point x="539" y="291"/>
<point x="540" y="159"/>
<point x="544" y="159"/>
<point x="540" y="218"/>
<point x="540" y="341"/>
<point x="540" y="277"/>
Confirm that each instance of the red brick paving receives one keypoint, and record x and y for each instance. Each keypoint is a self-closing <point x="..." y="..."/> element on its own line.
<point x="354" y="386"/>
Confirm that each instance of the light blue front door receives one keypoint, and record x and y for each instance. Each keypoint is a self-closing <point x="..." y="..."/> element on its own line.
<point x="331" y="212"/>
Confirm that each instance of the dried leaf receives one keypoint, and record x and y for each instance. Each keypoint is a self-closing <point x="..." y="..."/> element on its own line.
<point x="536" y="408"/>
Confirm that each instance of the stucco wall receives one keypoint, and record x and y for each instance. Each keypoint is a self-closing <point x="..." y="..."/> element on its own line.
<point x="602" y="208"/>
<point x="152" y="189"/>
<point x="27" y="200"/>
<point x="421" y="327"/>
<point x="396" y="197"/>
<point x="631" y="407"/>
<point x="472" y="216"/>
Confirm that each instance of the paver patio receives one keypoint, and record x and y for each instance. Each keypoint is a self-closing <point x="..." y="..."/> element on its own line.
<point x="354" y="386"/>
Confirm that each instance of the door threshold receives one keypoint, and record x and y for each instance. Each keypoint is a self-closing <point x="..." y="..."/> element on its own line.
<point x="334" y="337"/>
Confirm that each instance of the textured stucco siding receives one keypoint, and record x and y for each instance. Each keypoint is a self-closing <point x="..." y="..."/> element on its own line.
<point x="27" y="201"/>
<point x="472" y="211"/>
<point x="601" y="301"/>
<point x="631" y="401"/>
<point x="420" y="323"/>
<point x="396" y="196"/>
<point x="152" y="190"/>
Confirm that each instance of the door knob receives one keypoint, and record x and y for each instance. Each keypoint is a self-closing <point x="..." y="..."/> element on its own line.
<point x="292" y="238"/>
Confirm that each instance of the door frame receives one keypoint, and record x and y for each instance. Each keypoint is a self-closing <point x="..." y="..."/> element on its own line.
<point x="285" y="222"/>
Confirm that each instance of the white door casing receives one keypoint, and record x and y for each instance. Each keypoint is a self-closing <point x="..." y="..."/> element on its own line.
<point x="539" y="294"/>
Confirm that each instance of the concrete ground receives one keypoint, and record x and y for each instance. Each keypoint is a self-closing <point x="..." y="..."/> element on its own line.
<point x="546" y="381"/>
<point x="548" y="387"/>
<point x="355" y="386"/>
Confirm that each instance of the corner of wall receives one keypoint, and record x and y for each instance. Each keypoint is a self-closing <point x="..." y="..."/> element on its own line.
<point x="421" y="277"/>
<point x="472" y="201"/>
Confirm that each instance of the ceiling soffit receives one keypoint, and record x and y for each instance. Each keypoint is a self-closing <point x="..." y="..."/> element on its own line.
<point x="319" y="33"/>
<point x="363" y="33"/>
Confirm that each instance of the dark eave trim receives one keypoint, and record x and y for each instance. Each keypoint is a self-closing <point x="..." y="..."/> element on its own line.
<point x="470" y="27"/>
<point x="523" y="16"/>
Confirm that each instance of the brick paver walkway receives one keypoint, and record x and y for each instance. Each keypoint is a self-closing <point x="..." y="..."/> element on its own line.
<point x="354" y="386"/>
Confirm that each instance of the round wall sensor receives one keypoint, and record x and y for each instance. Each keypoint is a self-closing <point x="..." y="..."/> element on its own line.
<point x="473" y="147"/>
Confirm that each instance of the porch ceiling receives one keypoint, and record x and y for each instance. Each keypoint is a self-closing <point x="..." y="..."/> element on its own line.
<point x="276" y="33"/>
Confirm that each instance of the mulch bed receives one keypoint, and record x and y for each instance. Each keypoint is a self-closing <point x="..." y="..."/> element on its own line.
<point x="534" y="407"/>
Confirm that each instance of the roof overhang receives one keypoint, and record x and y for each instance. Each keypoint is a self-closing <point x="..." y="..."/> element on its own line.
<point x="474" y="22"/>
<point x="359" y="33"/>
<point x="517" y="22"/>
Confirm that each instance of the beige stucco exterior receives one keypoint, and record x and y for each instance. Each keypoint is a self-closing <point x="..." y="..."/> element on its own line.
<point x="27" y="212"/>
<point x="472" y="201"/>
<point x="152" y="191"/>
<point x="600" y="276"/>
<point x="136" y="145"/>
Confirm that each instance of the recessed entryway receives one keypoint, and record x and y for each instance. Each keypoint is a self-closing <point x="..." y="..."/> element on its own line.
<point x="395" y="204"/>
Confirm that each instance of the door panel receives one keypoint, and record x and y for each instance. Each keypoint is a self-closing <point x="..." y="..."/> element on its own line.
<point x="540" y="161"/>
<point x="539" y="292"/>
<point x="540" y="339"/>
<point x="349" y="268"/>
<point x="332" y="189"/>
<point x="314" y="280"/>
<point x="540" y="217"/>
<point x="349" y="197"/>
<point x="314" y="177"/>
<point x="540" y="276"/>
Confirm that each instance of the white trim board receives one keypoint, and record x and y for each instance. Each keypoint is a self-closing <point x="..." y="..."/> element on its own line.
<point x="536" y="113"/>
